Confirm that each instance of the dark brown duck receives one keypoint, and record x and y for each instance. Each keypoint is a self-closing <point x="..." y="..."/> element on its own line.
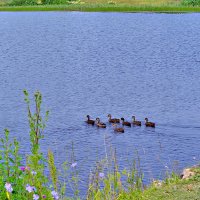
<point x="118" y="129"/>
<point x="136" y="123"/>
<point x="114" y="120"/>
<point x="149" y="124"/>
<point x="125" y="123"/>
<point x="100" y="124"/>
<point x="90" y="121"/>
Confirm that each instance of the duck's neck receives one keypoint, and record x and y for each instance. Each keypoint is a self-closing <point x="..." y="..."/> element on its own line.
<point x="146" y="120"/>
<point x="88" y="118"/>
<point x="134" y="119"/>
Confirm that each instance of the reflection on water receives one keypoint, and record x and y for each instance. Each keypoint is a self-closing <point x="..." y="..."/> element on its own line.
<point x="98" y="63"/>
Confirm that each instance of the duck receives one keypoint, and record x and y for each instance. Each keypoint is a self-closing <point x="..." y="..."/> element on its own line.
<point x="114" y="120"/>
<point x="125" y="123"/>
<point x="137" y="123"/>
<point x="90" y="121"/>
<point x="100" y="124"/>
<point x="118" y="129"/>
<point x="149" y="124"/>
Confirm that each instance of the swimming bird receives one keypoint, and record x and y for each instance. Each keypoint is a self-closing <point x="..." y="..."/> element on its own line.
<point x="100" y="124"/>
<point x="118" y="129"/>
<point x="125" y="123"/>
<point x="149" y="124"/>
<point x="89" y="121"/>
<point x="114" y="120"/>
<point x="137" y="123"/>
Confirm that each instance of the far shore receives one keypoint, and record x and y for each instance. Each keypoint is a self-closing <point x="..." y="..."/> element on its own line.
<point x="104" y="8"/>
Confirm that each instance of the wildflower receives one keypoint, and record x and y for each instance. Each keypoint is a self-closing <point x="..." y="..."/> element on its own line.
<point x="8" y="187"/>
<point x="74" y="164"/>
<point x="55" y="195"/>
<point x="30" y="188"/>
<point x="44" y="196"/>
<point x="166" y="167"/>
<point x="35" y="197"/>
<point x="194" y="158"/>
<point x="33" y="188"/>
<point x="33" y="172"/>
<point x="101" y="175"/>
<point x="24" y="168"/>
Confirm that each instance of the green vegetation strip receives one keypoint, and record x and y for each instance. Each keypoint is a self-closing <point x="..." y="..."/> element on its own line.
<point x="103" y="8"/>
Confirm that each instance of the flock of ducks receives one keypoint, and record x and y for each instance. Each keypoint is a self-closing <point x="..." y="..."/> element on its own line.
<point x="116" y="121"/>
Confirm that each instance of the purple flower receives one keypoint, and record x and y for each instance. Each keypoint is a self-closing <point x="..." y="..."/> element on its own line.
<point x="33" y="172"/>
<point x="8" y="187"/>
<point x="74" y="164"/>
<point x="55" y="195"/>
<point x="30" y="188"/>
<point x="101" y="175"/>
<point x="24" y="168"/>
<point x="44" y="196"/>
<point x="35" y="197"/>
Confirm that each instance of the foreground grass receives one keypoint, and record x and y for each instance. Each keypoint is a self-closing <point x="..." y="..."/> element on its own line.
<point x="176" y="189"/>
<point x="182" y="190"/>
<point x="104" y="8"/>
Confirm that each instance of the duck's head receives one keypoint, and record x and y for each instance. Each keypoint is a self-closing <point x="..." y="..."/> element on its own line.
<point x="109" y="115"/>
<point x="122" y="119"/>
<point x="146" y="119"/>
<point x="88" y="116"/>
<point x="97" y="119"/>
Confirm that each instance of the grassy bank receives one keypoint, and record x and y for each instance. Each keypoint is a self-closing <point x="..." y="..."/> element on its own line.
<point x="179" y="190"/>
<point x="86" y="7"/>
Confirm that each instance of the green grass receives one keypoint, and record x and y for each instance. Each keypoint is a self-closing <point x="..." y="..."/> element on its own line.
<point x="182" y="190"/>
<point x="104" y="8"/>
<point x="176" y="189"/>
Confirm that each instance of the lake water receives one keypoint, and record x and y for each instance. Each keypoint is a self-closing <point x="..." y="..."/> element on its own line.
<point x="146" y="65"/>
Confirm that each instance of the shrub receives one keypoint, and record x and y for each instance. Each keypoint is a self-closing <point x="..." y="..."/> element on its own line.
<point x="54" y="1"/>
<point x="23" y="2"/>
<point x="191" y="2"/>
<point x="36" y="2"/>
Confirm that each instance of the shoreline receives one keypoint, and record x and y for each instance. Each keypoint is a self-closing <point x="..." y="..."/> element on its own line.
<point x="169" y="9"/>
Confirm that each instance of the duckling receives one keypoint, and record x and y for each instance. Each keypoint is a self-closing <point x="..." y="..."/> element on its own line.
<point x="118" y="129"/>
<point x="149" y="124"/>
<point x="100" y="124"/>
<point x="125" y="123"/>
<point x="114" y="120"/>
<point x="89" y="121"/>
<point x="137" y="123"/>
